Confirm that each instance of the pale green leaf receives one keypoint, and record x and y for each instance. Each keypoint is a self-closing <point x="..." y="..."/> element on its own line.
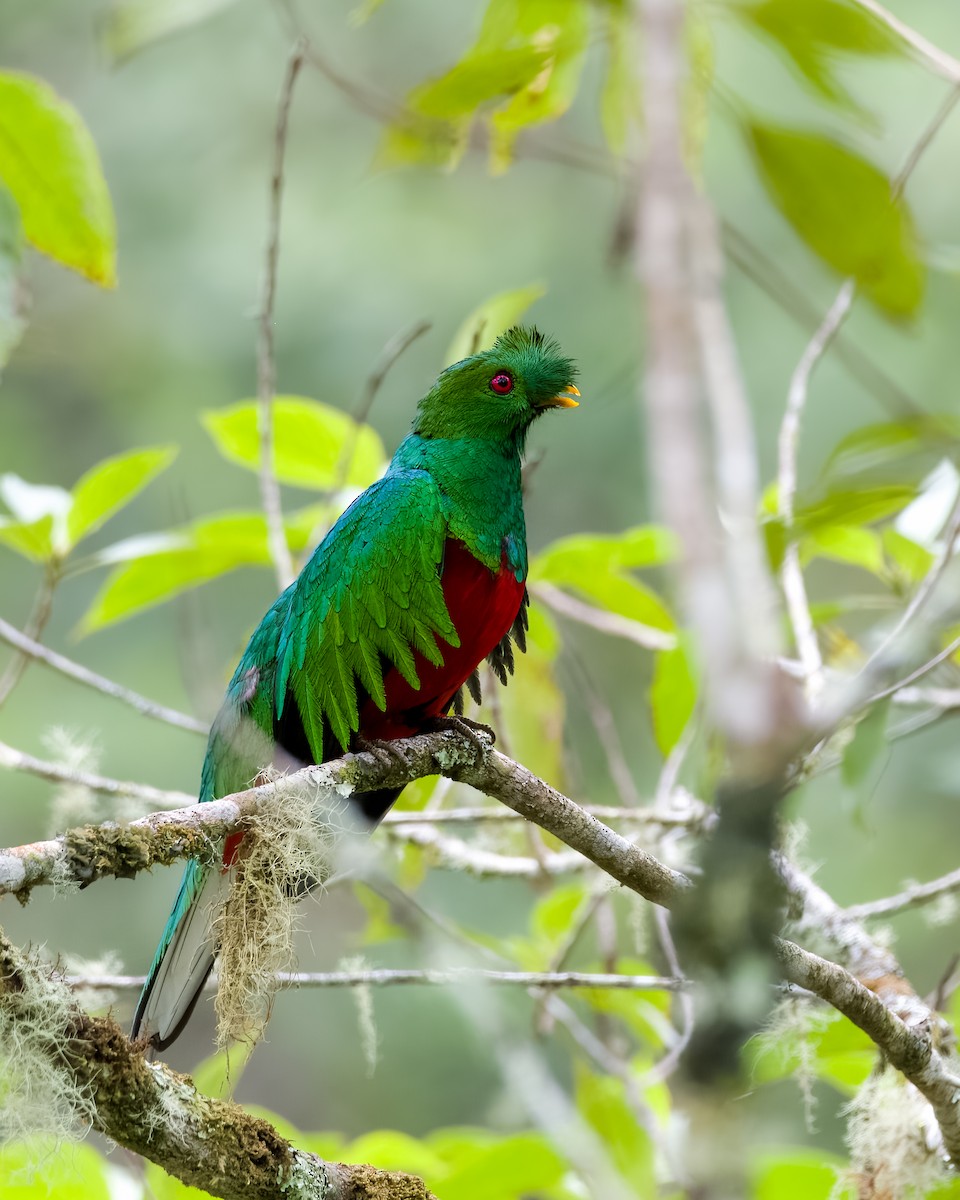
<point x="391" y="1150"/>
<point x="843" y="207"/>
<point x="813" y="32"/>
<point x="156" y="568"/>
<point x="111" y="485"/>
<point x="845" y="543"/>
<point x="673" y="696"/>
<point x="908" y="557"/>
<point x="553" y="913"/>
<point x="826" y="1045"/>
<point x="34" y="539"/>
<point x="314" y="445"/>
<point x="40" y="1171"/>
<point x="50" y="165"/>
<point x="875" y="447"/>
<point x="796" y="1173"/>
<point x="12" y="294"/>
<point x="866" y="754"/>
<point x="512" y="1168"/>
<point x="573" y="560"/>
<point x="130" y="25"/>
<point x="533" y="711"/>
<point x="852" y="507"/>
<point x="620" y="95"/>
<point x="602" y="1102"/>
<point x="39" y="512"/>
<point x="485" y="324"/>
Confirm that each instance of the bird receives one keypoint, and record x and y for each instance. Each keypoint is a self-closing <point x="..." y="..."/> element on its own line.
<point x="420" y="580"/>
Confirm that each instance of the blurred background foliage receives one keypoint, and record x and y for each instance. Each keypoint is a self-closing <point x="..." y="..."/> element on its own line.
<point x="463" y="165"/>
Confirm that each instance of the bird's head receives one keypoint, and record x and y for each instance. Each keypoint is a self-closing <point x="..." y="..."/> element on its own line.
<point x="497" y="393"/>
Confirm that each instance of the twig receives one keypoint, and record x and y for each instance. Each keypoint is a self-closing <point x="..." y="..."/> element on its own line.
<point x="791" y="574"/>
<point x="457" y="855"/>
<point x="911" y="897"/>
<point x="266" y="364"/>
<point x="671" y="1060"/>
<point x="149" y="708"/>
<point x="942" y="63"/>
<point x="690" y="814"/>
<point x="918" y="673"/>
<point x="601" y="620"/>
<point x="384" y="977"/>
<point x="36" y="623"/>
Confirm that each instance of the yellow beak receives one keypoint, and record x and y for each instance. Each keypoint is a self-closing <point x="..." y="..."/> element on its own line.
<point x="563" y="400"/>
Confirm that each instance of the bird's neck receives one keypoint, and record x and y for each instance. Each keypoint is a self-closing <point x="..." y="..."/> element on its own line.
<point x="479" y="479"/>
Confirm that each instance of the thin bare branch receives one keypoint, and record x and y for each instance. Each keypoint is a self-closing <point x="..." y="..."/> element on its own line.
<point x="688" y="813"/>
<point x="427" y="977"/>
<point x="36" y="623"/>
<point x="458" y="855"/>
<point x="914" y="896"/>
<point x="57" y="662"/>
<point x="601" y="620"/>
<point x="791" y="573"/>
<point x="938" y="60"/>
<point x="266" y="362"/>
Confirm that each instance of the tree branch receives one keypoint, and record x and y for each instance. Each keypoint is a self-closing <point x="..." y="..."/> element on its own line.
<point x="151" y="1110"/>
<point x="149" y="708"/>
<point x="93" y="851"/>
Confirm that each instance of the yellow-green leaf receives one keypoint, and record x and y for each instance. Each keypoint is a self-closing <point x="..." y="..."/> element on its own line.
<point x="50" y="165"/>
<point x="314" y="445"/>
<point x="673" y="696"/>
<point x="796" y="1173"/>
<point x="112" y="484"/>
<point x="485" y="324"/>
<point x="843" y="207"/>
<point x="851" y="544"/>
<point x="42" y="1171"/>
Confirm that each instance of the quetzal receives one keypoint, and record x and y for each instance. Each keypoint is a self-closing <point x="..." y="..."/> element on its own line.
<point x="420" y="580"/>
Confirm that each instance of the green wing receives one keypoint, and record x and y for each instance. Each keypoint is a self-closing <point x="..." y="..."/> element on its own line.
<point x="370" y="593"/>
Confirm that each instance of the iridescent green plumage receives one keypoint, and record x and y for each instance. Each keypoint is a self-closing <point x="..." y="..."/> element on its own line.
<point x="418" y="581"/>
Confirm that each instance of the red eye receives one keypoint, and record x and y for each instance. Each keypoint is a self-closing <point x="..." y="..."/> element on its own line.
<point x="502" y="383"/>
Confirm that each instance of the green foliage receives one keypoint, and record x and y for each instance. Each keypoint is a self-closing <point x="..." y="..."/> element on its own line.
<point x="673" y="695"/>
<point x="844" y="208"/>
<point x="602" y="1102"/>
<point x="485" y="324"/>
<point x="867" y="752"/>
<point x="526" y="61"/>
<point x="812" y="1046"/>
<point x="813" y="32"/>
<point x="50" y="165"/>
<point x="314" y="445"/>
<point x="49" y="1172"/>
<point x="158" y="567"/>
<point x="798" y="1174"/>
<point x="47" y="523"/>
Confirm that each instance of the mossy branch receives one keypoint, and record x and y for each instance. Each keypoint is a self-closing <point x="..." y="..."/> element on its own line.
<point x="92" y="852"/>
<point x="146" y="1107"/>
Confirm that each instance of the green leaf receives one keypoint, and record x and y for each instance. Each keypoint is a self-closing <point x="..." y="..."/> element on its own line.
<point x="553" y="913"/>
<point x="846" y="543"/>
<point x="602" y="1101"/>
<point x="111" y="485"/>
<point x="39" y="518"/>
<point x="49" y="163"/>
<point x="485" y="324"/>
<point x="533" y="710"/>
<point x="673" y="696"/>
<point x="851" y="507"/>
<point x="390" y="1150"/>
<point x="572" y="560"/>
<point x="314" y="445"/>
<point x="512" y="1168"/>
<point x="824" y="1044"/>
<point x="813" y="32"/>
<point x="130" y="25"/>
<point x="866" y="754"/>
<point x="12" y="294"/>
<point x="795" y="1173"/>
<point x="219" y="1074"/>
<point x="559" y="28"/>
<point x="39" y="1171"/>
<point x="843" y="207"/>
<point x="156" y="568"/>
<point x="911" y="560"/>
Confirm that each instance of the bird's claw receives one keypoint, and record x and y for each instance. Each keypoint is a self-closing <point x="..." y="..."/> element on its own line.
<point x="482" y="736"/>
<point x="387" y="754"/>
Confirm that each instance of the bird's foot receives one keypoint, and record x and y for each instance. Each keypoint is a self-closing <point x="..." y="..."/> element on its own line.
<point x="482" y="736"/>
<point x="387" y="754"/>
